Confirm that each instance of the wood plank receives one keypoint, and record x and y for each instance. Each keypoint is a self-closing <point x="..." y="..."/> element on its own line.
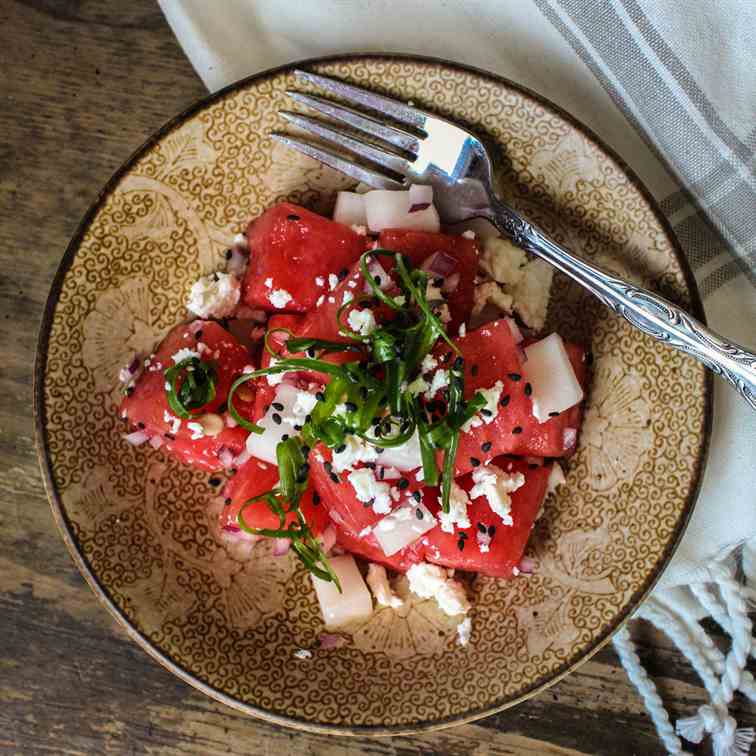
<point x="84" y="83"/>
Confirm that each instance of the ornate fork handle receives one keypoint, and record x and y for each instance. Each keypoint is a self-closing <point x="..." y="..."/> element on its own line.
<point x="650" y="313"/>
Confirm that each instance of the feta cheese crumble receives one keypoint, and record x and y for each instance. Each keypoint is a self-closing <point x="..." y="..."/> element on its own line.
<point x="319" y="281"/>
<point x="355" y="450"/>
<point x="303" y="653"/>
<point x="429" y="363"/>
<point x="368" y="490"/>
<point x="269" y="283"/>
<point x="274" y="378"/>
<point x="440" y="380"/>
<point x="197" y="430"/>
<point x="214" y="296"/>
<point x="377" y="580"/>
<point x="431" y="581"/>
<point x="333" y="281"/>
<point x="464" y="631"/>
<point x="489" y="412"/>
<point x="347" y="298"/>
<point x="457" y="514"/>
<point x="279" y="298"/>
<point x="531" y="295"/>
<point x="184" y="354"/>
<point x="362" y="322"/>
<point x="496" y="485"/>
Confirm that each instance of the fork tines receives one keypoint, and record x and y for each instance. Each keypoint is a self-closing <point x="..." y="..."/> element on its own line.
<point x="377" y="154"/>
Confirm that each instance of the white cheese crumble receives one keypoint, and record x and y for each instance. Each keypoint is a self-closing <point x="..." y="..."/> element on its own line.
<point x="319" y="281"/>
<point x="279" y="298"/>
<point x="457" y="514"/>
<point x="496" y="485"/>
<point x="173" y="420"/>
<point x="355" y="450"/>
<point x="469" y="234"/>
<point x="347" y="298"/>
<point x="183" y="354"/>
<point x="197" y="430"/>
<point x="377" y="580"/>
<point x="371" y="491"/>
<point x="531" y="295"/>
<point x="429" y="363"/>
<point x="274" y="378"/>
<point x="440" y="380"/>
<point x="362" y="322"/>
<point x="489" y="412"/>
<point x="431" y="581"/>
<point x="320" y="301"/>
<point x="269" y="283"/>
<point x="462" y="332"/>
<point x="303" y="653"/>
<point x="214" y="296"/>
<point x="304" y="403"/>
<point x="418" y="386"/>
<point x="333" y="281"/>
<point x="464" y="629"/>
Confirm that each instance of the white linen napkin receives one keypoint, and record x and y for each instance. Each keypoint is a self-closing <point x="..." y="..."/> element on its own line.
<point x="673" y="93"/>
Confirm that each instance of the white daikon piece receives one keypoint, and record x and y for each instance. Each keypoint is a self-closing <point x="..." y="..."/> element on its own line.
<point x="403" y="526"/>
<point x="551" y="377"/>
<point x="391" y="209"/>
<point x="353" y="603"/>
<point x="420" y="194"/>
<point x="263" y="445"/>
<point x="405" y="456"/>
<point x="350" y="209"/>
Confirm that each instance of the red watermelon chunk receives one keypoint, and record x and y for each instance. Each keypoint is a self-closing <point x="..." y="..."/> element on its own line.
<point x="420" y="245"/>
<point x="367" y="547"/>
<point x="291" y="248"/>
<point x="507" y="544"/>
<point x="491" y="355"/>
<point x="146" y="406"/>
<point x="253" y="478"/>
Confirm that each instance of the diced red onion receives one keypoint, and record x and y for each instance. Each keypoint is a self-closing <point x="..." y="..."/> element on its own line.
<point x="156" y="442"/>
<point x="241" y="459"/>
<point x="226" y="458"/>
<point x="281" y="546"/>
<point x="231" y="528"/>
<point x="450" y="283"/>
<point x="439" y="263"/>
<point x="527" y="565"/>
<point x="237" y="264"/>
<point x="137" y="438"/>
<point x="418" y="207"/>
<point x="328" y="538"/>
<point x="569" y="438"/>
<point x="330" y="640"/>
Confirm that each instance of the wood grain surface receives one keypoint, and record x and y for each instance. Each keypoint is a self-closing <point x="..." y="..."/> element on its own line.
<point x="82" y="84"/>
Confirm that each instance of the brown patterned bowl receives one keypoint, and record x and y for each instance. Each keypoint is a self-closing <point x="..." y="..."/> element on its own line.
<point x="227" y="619"/>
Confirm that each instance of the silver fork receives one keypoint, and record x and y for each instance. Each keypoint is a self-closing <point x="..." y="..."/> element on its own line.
<point x="420" y="148"/>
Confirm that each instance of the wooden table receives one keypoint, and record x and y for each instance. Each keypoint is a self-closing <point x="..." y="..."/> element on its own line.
<point x="82" y="85"/>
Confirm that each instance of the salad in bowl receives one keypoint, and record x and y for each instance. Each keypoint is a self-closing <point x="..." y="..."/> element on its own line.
<point x="380" y="395"/>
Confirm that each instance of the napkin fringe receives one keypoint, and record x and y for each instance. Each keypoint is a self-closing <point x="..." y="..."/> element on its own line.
<point x="727" y="600"/>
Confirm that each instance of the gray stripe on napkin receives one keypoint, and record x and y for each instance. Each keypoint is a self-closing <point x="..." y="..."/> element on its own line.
<point x="715" y="179"/>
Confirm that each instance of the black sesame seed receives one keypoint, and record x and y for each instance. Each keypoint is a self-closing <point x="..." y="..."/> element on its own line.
<point x="335" y="478"/>
<point x="129" y="391"/>
<point x="227" y="501"/>
<point x="528" y="389"/>
<point x="517" y="429"/>
<point x="297" y="427"/>
<point x="308" y="418"/>
<point x="446" y="357"/>
<point x="292" y="217"/>
<point x="315" y="498"/>
<point x="481" y="528"/>
<point x="370" y="465"/>
<point x="514" y="376"/>
<point x="463" y="535"/>
<point x="170" y="436"/>
<point x="474" y="461"/>
<point x="377" y="280"/>
<point x="461" y="544"/>
<point x="403" y="483"/>
<point x="382" y="473"/>
<point x="504" y="401"/>
<point x="328" y="466"/>
<point x="215" y="481"/>
<point x="350" y="406"/>
<point x="285" y="437"/>
<point x="141" y="426"/>
<point x="320" y="396"/>
<point x="343" y="273"/>
<point x="198" y="335"/>
<point x="277" y="418"/>
<point x="486" y="412"/>
<point x="589" y="358"/>
<point x="492" y="530"/>
<point x="458" y="363"/>
<point x="228" y="254"/>
<point x="474" y="371"/>
<point x="380" y="450"/>
<point x="419" y="513"/>
<point x="438" y="282"/>
<point x="311" y="353"/>
<point x="341" y="448"/>
<point x="417" y="496"/>
<point x="278" y="406"/>
<point x="486" y="446"/>
<point x="553" y="414"/>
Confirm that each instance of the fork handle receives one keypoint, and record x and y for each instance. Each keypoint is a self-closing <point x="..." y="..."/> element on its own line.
<point x="648" y="312"/>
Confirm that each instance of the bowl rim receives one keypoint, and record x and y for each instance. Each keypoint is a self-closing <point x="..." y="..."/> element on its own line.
<point x="64" y="527"/>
